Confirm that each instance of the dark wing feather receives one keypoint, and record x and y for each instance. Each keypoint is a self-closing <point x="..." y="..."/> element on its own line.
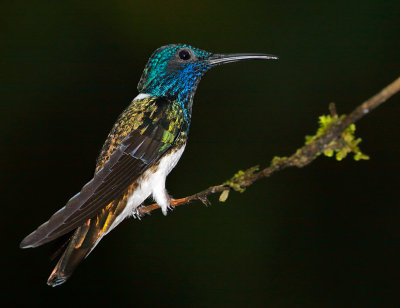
<point x="135" y="154"/>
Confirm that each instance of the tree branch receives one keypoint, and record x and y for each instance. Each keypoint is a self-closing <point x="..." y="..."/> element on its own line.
<point x="334" y="135"/>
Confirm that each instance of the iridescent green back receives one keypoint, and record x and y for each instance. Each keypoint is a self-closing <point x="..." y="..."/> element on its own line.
<point x="141" y="116"/>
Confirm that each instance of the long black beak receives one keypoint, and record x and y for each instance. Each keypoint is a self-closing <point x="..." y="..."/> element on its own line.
<point x="217" y="59"/>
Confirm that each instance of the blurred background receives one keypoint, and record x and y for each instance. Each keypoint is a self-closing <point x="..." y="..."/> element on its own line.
<point x="323" y="236"/>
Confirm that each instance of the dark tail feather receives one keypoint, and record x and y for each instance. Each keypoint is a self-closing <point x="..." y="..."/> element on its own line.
<point x="77" y="249"/>
<point x="85" y="239"/>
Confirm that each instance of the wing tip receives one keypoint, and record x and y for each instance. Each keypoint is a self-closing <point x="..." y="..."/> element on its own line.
<point x="28" y="242"/>
<point x="34" y="239"/>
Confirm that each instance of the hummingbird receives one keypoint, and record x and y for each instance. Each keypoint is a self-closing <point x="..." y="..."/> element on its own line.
<point x="144" y="145"/>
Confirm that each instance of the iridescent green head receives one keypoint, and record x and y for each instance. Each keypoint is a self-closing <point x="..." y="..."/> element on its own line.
<point x="174" y="71"/>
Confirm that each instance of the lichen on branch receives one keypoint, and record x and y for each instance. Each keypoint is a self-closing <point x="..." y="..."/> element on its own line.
<point x="341" y="146"/>
<point x="239" y="180"/>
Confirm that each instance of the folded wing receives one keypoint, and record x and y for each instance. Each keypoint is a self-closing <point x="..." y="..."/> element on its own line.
<point x="141" y="149"/>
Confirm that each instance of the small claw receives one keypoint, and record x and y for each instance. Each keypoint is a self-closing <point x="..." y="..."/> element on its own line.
<point x="168" y="208"/>
<point x="137" y="214"/>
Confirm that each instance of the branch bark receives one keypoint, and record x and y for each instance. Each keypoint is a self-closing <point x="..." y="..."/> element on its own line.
<point x="302" y="157"/>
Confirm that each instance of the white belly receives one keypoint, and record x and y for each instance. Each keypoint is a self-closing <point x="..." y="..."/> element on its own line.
<point x="150" y="183"/>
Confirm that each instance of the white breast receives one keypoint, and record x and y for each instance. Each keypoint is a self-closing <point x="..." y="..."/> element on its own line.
<point x="151" y="183"/>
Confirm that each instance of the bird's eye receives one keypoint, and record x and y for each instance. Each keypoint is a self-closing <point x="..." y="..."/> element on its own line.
<point x="184" y="55"/>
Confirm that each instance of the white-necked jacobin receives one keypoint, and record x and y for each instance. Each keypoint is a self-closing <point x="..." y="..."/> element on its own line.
<point x="142" y="148"/>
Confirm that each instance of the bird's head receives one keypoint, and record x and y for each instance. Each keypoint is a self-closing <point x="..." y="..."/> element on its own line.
<point x="175" y="70"/>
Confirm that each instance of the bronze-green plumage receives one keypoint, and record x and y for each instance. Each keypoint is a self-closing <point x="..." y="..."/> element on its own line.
<point x="142" y="148"/>
<point x="140" y="116"/>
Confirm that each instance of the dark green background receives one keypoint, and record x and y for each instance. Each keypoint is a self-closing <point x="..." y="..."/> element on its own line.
<point x="324" y="236"/>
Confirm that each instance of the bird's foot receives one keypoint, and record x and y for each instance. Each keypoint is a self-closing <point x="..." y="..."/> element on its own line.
<point x="165" y="208"/>
<point x="170" y="207"/>
<point x="165" y="203"/>
<point x="137" y="213"/>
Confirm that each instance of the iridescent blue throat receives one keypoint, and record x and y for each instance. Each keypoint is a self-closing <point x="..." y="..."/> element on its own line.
<point x="178" y="84"/>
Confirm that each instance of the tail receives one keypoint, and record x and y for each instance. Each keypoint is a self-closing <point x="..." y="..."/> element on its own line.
<point x="80" y="245"/>
<point x="86" y="237"/>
